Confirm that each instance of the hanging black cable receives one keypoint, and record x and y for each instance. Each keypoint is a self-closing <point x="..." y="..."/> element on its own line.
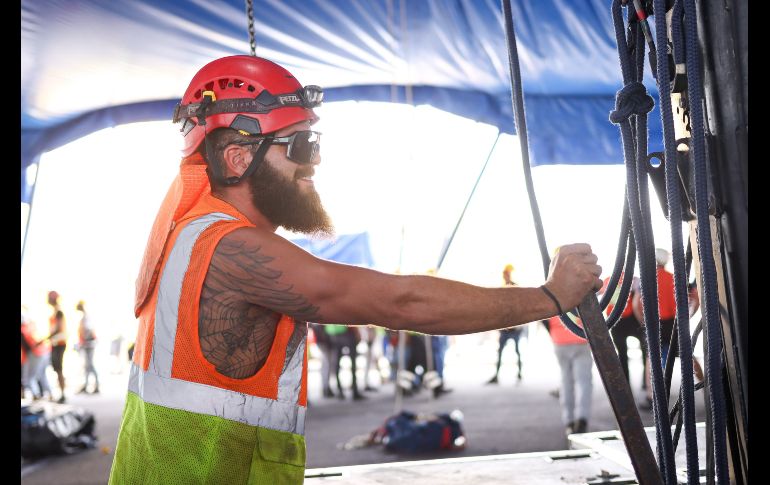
<point x="625" y="288"/>
<point x="710" y="303"/>
<point x="676" y="410"/>
<point x="624" y="265"/>
<point x="682" y="340"/>
<point x="520" y="120"/>
<point x="625" y="230"/>
<point x="633" y="101"/>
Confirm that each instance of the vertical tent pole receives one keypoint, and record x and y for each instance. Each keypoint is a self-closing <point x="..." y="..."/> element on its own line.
<point x="36" y="162"/>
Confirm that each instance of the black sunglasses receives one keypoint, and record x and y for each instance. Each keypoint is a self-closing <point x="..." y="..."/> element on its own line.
<point x="303" y="145"/>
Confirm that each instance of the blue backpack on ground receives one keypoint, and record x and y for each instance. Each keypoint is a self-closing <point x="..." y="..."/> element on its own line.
<point x="412" y="433"/>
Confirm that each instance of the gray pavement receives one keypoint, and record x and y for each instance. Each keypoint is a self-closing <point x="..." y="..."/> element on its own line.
<point x="511" y="417"/>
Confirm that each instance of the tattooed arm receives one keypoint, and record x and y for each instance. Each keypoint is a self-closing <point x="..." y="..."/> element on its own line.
<point x="260" y="268"/>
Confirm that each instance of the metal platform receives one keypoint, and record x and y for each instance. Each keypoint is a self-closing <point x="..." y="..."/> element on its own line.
<point x="596" y="458"/>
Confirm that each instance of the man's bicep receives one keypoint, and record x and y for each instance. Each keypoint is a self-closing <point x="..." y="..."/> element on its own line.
<point x="267" y="270"/>
<point x="244" y="267"/>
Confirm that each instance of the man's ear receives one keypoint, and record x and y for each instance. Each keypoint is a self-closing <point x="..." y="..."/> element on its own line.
<point x="237" y="159"/>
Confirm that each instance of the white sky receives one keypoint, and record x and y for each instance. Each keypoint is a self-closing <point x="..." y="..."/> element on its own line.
<point x="385" y="167"/>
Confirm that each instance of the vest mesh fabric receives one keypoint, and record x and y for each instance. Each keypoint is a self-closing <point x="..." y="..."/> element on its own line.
<point x="160" y="445"/>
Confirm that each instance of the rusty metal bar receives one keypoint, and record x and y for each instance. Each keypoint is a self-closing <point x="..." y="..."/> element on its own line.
<point x="619" y="393"/>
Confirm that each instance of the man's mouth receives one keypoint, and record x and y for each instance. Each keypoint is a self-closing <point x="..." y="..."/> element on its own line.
<point x="307" y="178"/>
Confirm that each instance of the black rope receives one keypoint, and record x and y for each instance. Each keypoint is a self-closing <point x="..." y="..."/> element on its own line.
<point x="252" y="38"/>
<point x="633" y="100"/>
<point x="625" y="230"/>
<point x="710" y="303"/>
<point x="681" y="339"/>
<point x="517" y="96"/>
<point x="520" y="121"/>
<point x="675" y="411"/>
<point x="625" y="288"/>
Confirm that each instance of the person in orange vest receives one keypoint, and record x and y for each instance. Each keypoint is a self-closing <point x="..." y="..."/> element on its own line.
<point x="666" y="315"/>
<point x="576" y="365"/>
<point x="217" y="389"/>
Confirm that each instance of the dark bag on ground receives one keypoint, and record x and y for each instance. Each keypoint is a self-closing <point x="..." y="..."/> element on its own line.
<point x="55" y="429"/>
<point x="413" y="433"/>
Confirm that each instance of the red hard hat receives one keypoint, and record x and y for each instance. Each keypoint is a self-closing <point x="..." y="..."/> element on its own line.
<point x="246" y="93"/>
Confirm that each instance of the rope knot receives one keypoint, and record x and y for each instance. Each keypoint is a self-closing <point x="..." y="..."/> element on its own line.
<point x="631" y="100"/>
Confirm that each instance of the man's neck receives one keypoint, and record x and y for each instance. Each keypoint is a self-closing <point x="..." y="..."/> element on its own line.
<point x="240" y="198"/>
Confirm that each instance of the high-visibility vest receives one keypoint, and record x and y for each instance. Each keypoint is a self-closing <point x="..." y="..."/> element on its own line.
<point x="183" y="421"/>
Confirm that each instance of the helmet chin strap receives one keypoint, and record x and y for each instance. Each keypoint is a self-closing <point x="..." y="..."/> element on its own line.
<point x="256" y="160"/>
<point x="212" y="167"/>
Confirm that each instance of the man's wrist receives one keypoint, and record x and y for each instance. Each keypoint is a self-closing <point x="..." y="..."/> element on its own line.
<point x="555" y="300"/>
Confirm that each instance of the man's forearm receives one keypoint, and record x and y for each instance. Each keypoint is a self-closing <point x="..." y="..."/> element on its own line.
<point x="445" y="307"/>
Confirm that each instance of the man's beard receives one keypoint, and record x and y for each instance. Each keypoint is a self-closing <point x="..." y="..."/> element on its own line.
<point x="281" y="200"/>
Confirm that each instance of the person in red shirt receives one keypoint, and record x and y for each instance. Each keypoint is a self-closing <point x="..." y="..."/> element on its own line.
<point x="576" y="364"/>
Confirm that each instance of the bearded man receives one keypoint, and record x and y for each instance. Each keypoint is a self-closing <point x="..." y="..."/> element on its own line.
<point x="218" y="384"/>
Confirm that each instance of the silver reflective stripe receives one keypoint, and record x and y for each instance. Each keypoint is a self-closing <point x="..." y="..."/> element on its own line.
<point x="214" y="401"/>
<point x="291" y="377"/>
<point x="170" y="291"/>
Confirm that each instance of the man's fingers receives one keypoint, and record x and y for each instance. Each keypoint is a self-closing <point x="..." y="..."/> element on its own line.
<point x="576" y="248"/>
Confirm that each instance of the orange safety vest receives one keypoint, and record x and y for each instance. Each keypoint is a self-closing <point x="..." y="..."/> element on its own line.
<point x="169" y="370"/>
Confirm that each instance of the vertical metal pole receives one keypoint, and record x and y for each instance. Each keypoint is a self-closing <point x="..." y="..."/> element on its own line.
<point x="467" y="202"/>
<point x="29" y="212"/>
<point x="401" y="365"/>
<point x="428" y="359"/>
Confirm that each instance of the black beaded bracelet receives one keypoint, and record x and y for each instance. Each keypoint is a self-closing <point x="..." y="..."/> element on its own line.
<point x="552" y="297"/>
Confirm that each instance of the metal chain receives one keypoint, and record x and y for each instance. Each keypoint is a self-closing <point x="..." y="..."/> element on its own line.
<point x="252" y="39"/>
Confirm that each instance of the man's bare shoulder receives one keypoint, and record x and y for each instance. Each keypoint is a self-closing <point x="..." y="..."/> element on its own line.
<point x="242" y="300"/>
<point x="251" y="265"/>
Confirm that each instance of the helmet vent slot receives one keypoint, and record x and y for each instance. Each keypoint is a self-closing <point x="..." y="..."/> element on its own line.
<point x="223" y="83"/>
<point x="238" y="83"/>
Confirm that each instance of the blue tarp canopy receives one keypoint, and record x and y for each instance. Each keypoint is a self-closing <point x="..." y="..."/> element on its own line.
<point x="89" y="64"/>
<point x="348" y="248"/>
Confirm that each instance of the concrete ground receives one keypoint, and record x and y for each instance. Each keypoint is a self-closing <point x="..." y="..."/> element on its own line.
<point x="510" y="417"/>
